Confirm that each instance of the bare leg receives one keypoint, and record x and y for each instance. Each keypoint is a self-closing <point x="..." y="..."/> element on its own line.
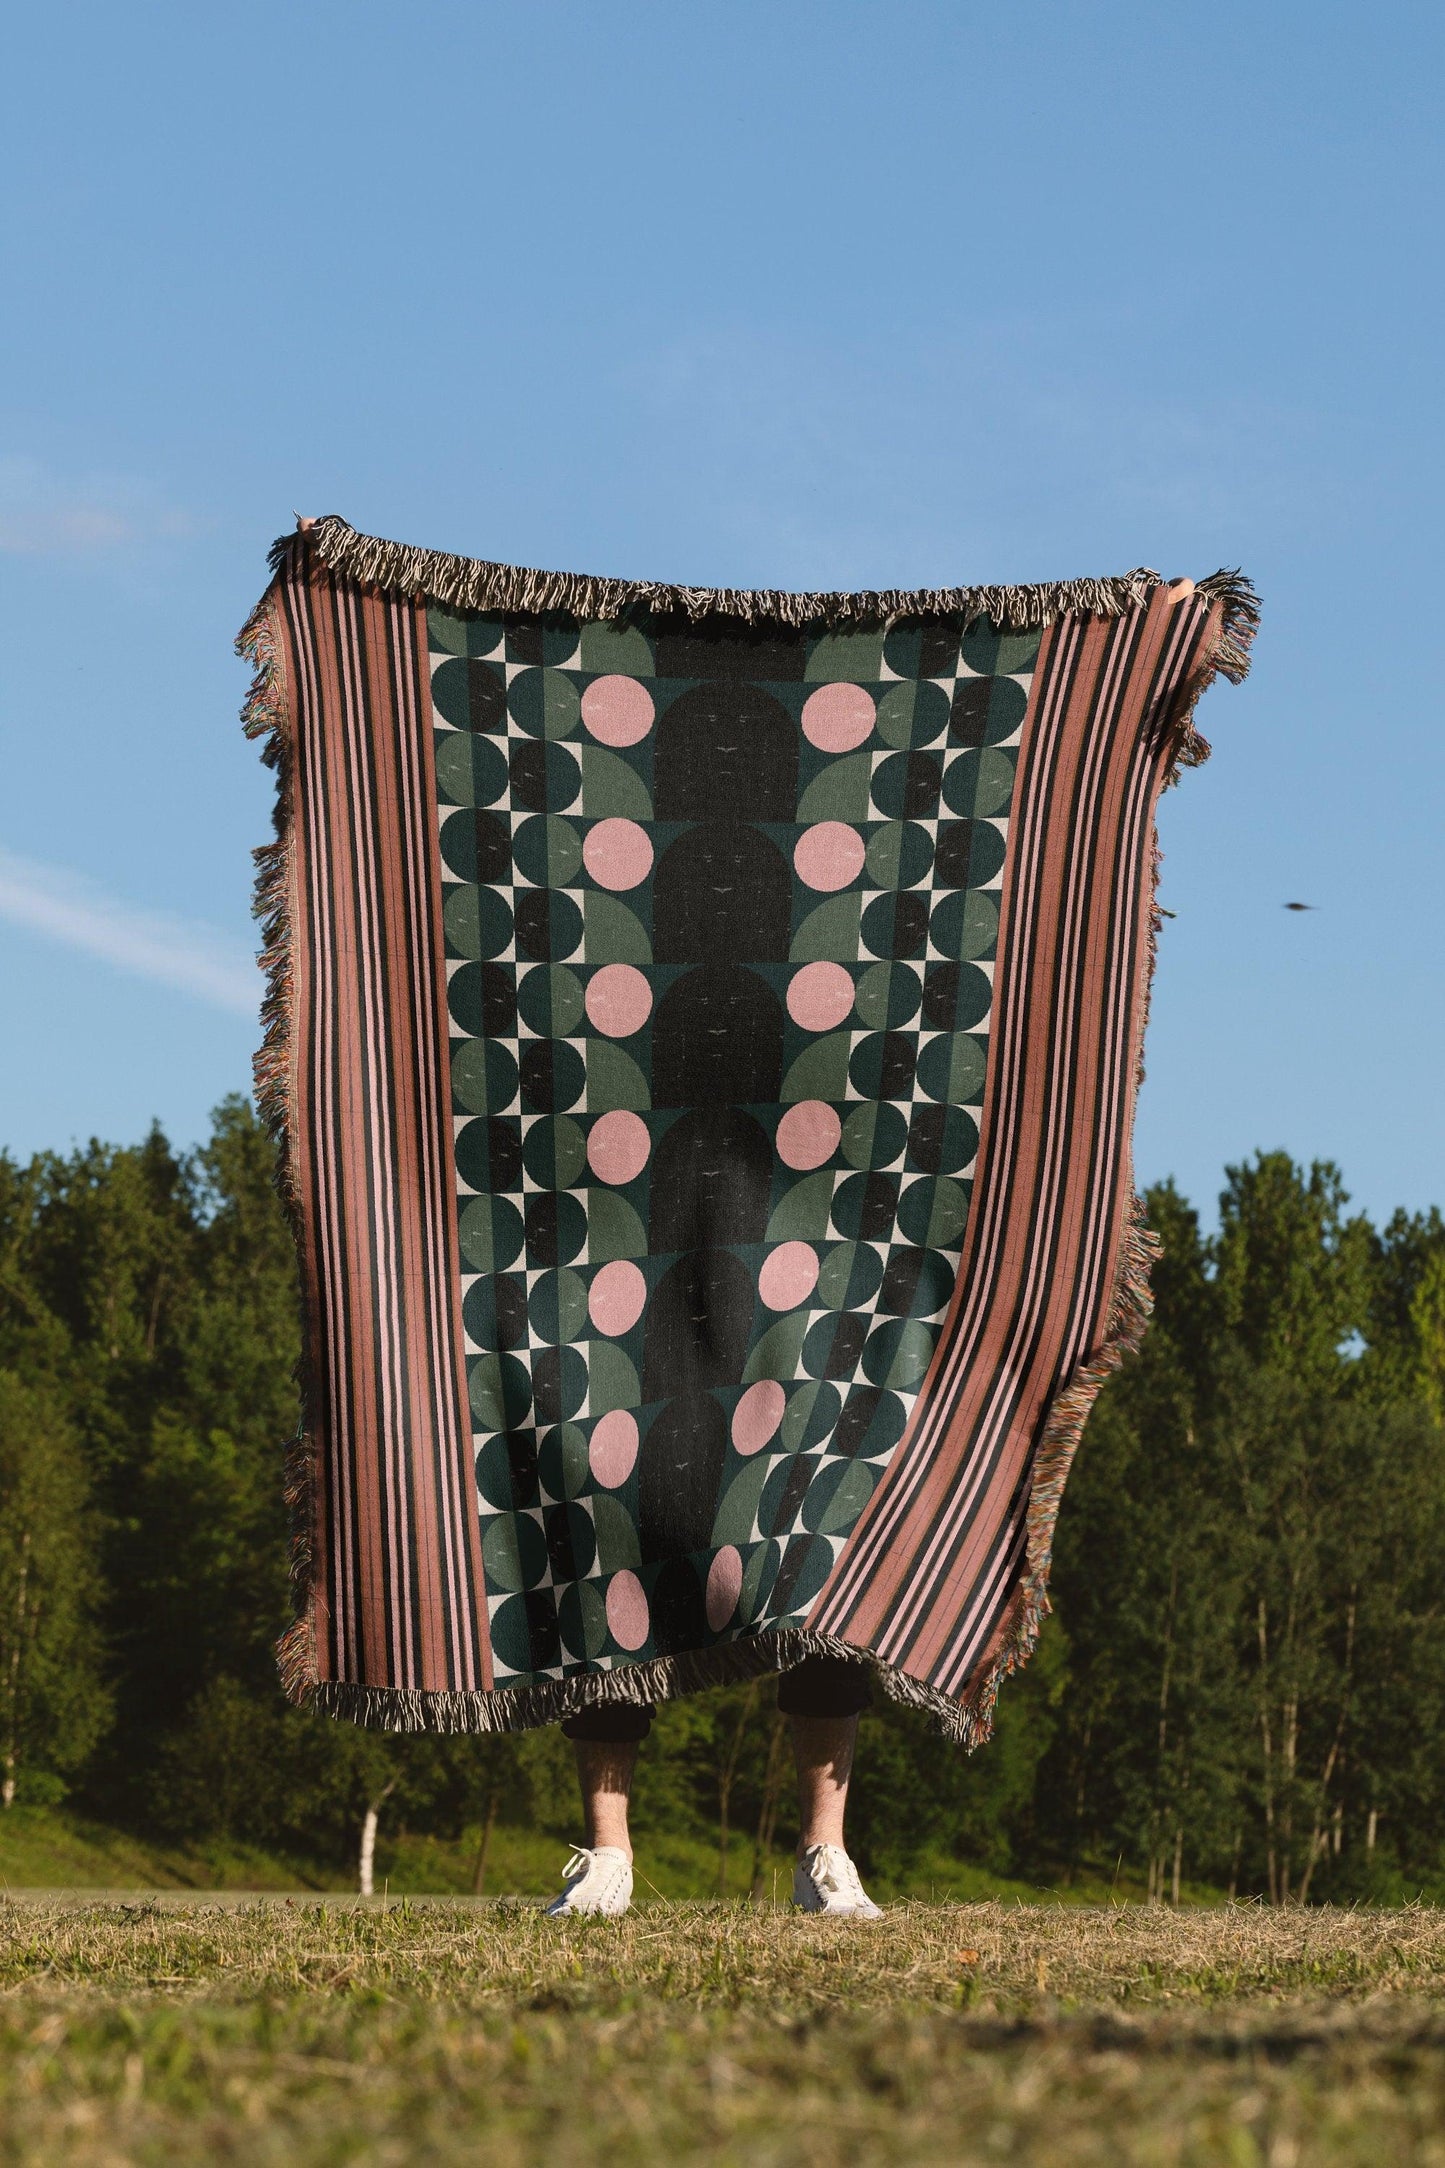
<point x="823" y="1750"/>
<point x="604" y="1772"/>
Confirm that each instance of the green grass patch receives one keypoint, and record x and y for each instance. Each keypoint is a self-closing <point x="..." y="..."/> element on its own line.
<point x="51" y="1848"/>
<point x="329" y="2032"/>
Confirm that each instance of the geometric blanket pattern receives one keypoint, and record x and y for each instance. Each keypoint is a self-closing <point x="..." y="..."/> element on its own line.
<point x="702" y="1038"/>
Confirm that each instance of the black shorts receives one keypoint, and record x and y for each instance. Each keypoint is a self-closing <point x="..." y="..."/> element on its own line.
<point x="818" y="1686"/>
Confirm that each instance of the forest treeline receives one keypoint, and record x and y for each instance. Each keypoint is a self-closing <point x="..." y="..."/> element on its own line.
<point x="1243" y="1683"/>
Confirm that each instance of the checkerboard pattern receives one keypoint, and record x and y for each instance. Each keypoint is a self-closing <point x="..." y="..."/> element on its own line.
<point x="721" y="912"/>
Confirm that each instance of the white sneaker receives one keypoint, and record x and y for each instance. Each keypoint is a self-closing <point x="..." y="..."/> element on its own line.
<point x="826" y="1880"/>
<point x="594" y="1881"/>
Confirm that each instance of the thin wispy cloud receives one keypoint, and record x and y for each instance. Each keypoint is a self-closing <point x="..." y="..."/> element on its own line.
<point x="43" y="515"/>
<point x="1017" y="449"/>
<point x="176" y="952"/>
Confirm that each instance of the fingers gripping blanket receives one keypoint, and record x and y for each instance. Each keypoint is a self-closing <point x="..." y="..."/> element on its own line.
<point x="702" y="1038"/>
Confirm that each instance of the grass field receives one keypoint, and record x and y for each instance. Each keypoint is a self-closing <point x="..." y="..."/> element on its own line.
<point x="52" y="1848"/>
<point x="328" y="2032"/>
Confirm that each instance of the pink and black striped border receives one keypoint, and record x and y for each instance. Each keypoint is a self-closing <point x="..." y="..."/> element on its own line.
<point x="394" y="1596"/>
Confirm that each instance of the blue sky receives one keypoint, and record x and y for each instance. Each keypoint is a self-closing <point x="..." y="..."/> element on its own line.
<point x="756" y="294"/>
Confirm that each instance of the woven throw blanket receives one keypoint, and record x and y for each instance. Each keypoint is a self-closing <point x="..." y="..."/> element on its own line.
<point x="702" y="1037"/>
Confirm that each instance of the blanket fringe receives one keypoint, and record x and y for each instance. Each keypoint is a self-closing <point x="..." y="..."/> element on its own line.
<point x="265" y="717"/>
<point x="520" y="1708"/>
<point x="1231" y="652"/>
<point x="1228" y="657"/>
<point x="472" y="583"/>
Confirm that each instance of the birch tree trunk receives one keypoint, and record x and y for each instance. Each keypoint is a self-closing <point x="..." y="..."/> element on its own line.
<point x="367" y="1862"/>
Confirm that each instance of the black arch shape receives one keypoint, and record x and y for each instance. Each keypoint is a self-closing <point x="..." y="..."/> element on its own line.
<point x="679" y="1469"/>
<point x="711" y="1181"/>
<point x="717" y="1040"/>
<point x="725" y="750"/>
<point x="723" y="891"/>
<point x="698" y="1322"/>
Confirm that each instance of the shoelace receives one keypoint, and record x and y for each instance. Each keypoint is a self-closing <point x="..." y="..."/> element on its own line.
<point x="834" y="1872"/>
<point x="580" y="1865"/>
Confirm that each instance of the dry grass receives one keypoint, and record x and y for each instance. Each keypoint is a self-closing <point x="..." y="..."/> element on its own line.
<point x="441" y="2033"/>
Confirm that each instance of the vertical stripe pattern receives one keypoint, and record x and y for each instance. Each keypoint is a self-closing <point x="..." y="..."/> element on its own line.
<point x="396" y="1581"/>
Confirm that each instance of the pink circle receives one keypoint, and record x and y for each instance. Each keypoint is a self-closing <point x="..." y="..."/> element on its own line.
<point x="808" y="1134"/>
<point x="828" y="855"/>
<point x="619" y="1000"/>
<point x="758" y="1414"/>
<point x="789" y="1275"/>
<point x="617" y="710"/>
<point x="820" y="996"/>
<point x="613" y="1450"/>
<point x="835" y="717"/>
<point x="627" y="1610"/>
<point x="618" y="853"/>
<point x="618" y="1146"/>
<point x="724" y="1586"/>
<point x="617" y="1298"/>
